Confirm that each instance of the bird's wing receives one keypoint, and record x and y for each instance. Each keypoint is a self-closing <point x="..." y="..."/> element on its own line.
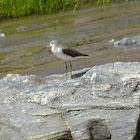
<point x="72" y="52"/>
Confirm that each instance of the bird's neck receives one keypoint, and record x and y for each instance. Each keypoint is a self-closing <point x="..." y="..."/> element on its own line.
<point x="53" y="47"/>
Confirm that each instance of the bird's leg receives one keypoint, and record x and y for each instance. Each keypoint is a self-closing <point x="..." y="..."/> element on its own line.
<point x="66" y="70"/>
<point x="70" y="70"/>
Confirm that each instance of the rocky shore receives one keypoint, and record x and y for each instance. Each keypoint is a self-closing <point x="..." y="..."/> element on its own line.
<point x="99" y="103"/>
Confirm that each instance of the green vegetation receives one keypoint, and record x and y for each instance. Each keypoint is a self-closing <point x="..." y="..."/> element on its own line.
<point x="17" y="8"/>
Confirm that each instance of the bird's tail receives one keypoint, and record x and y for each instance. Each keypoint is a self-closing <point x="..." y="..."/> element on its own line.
<point x="85" y="56"/>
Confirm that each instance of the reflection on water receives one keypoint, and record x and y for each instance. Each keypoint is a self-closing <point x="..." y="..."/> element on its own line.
<point x="88" y="30"/>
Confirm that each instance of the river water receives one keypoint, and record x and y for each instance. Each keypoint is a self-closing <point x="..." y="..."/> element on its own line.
<point x="87" y="30"/>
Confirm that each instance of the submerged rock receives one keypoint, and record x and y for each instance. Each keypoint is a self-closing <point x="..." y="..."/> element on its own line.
<point x="102" y="104"/>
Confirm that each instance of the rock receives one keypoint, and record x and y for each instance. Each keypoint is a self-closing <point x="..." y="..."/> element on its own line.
<point x="2" y="35"/>
<point x="129" y="41"/>
<point x="111" y="41"/>
<point x="116" y="43"/>
<point x="99" y="103"/>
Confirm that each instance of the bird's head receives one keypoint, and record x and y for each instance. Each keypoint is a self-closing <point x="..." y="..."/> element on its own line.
<point x="53" y="43"/>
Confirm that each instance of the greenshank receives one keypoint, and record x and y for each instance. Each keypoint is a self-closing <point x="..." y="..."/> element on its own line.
<point x="65" y="53"/>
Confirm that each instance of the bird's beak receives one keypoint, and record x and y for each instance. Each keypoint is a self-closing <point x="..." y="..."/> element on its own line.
<point x="47" y="46"/>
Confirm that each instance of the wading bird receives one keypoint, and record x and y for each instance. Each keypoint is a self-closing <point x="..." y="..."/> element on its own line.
<point x="67" y="54"/>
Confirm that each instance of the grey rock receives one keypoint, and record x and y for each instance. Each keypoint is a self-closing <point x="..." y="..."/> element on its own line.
<point x="116" y="43"/>
<point x="100" y="103"/>
<point x="2" y="35"/>
<point x="111" y="41"/>
<point x="128" y="41"/>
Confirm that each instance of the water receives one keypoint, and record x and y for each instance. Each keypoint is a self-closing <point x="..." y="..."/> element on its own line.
<point x="88" y="30"/>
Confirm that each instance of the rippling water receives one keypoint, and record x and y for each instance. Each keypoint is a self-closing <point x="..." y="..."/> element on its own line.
<point x="88" y="30"/>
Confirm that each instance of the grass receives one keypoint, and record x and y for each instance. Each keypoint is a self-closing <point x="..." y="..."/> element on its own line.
<point x="18" y="8"/>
